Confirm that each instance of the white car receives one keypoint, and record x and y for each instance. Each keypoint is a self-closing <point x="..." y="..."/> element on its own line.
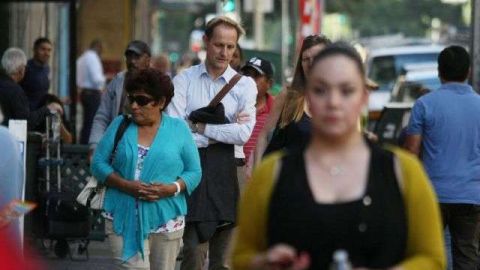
<point x="416" y="81"/>
<point x="385" y="65"/>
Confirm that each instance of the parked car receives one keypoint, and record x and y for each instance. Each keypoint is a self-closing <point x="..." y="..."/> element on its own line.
<point x="393" y="119"/>
<point x="415" y="81"/>
<point x="385" y="65"/>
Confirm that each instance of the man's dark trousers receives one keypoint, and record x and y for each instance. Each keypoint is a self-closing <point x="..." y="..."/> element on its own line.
<point x="90" y="99"/>
<point x="463" y="221"/>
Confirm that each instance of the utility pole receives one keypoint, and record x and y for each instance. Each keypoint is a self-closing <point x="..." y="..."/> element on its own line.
<point x="285" y="37"/>
<point x="258" y="24"/>
<point x="219" y="7"/>
<point x="475" y="49"/>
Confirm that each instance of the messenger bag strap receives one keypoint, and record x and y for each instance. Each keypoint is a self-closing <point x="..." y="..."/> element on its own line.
<point x="226" y="88"/>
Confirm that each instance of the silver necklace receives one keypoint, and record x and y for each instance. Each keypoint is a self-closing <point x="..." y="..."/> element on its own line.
<point x="336" y="170"/>
<point x="332" y="170"/>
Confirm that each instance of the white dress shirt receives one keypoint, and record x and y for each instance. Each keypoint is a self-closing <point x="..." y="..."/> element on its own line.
<point x="90" y="71"/>
<point x="194" y="88"/>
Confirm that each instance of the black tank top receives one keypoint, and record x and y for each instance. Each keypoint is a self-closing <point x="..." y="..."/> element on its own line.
<point x="372" y="229"/>
<point x="293" y="136"/>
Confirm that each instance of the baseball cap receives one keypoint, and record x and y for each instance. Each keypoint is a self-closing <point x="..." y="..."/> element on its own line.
<point x="262" y="66"/>
<point x="139" y="47"/>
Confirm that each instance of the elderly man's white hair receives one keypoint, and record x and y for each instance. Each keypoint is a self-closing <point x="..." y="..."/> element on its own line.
<point x="13" y="59"/>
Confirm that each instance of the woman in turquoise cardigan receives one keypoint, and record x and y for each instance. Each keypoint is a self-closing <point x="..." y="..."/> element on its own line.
<point x="156" y="162"/>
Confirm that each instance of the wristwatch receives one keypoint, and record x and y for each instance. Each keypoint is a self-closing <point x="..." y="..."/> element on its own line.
<point x="194" y="127"/>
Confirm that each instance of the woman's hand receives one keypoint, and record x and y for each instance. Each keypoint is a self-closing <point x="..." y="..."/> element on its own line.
<point x="136" y="189"/>
<point x="157" y="191"/>
<point x="281" y="257"/>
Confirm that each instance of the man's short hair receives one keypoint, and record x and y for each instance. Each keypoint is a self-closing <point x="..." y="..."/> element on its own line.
<point x="40" y="41"/>
<point x="454" y="64"/>
<point x="225" y="21"/>
<point x="12" y="60"/>
<point x="94" y="43"/>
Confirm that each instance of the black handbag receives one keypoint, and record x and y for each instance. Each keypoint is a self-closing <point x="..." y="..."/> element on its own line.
<point x="214" y="112"/>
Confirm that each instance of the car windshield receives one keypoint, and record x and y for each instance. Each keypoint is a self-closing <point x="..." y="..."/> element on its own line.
<point x="385" y="69"/>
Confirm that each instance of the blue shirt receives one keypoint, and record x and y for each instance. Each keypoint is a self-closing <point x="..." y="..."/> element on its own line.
<point x="448" y="120"/>
<point x="172" y="154"/>
<point x="11" y="177"/>
<point x="36" y="83"/>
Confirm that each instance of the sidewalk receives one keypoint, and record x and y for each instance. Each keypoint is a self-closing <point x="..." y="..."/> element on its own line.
<point x="100" y="259"/>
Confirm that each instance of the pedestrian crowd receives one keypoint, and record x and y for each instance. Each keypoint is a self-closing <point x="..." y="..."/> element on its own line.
<point x="211" y="166"/>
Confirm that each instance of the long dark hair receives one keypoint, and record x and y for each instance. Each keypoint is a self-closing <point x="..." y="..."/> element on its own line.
<point x="293" y="107"/>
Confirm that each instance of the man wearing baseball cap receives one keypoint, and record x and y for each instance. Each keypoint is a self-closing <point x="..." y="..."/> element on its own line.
<point x="262" y="71"/>
<point x="137" y="57"/>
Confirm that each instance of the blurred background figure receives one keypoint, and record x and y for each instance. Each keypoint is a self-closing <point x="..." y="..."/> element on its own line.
<point x="37" y="73"/>
<point x="13" y="100"/>
<point x="113" y="101"/>
<point x="290" y="117"/>
<point x="91" y="82"/>
<point x="237" y="58"/>
<point x="65" y="133"/>
<point x="442" y="122"/>
<point x="162" y="64"/>
<point x="186" y="61"/>
<point x="11" y="184"/>
<point x="12" y="255"/>
<point x="261" y="70"/>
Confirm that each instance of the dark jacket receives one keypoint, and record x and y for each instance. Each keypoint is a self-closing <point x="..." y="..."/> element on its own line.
<point x="35" y="83"/>
<point x="14" y="103"/>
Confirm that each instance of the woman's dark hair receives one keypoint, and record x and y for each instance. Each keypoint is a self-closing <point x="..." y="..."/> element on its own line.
<point x="454" y="64"/>
<point x="344" y="49"/>
<point x="152" y="82"/>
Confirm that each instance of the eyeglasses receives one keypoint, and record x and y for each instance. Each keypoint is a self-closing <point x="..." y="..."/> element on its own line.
<point x="141" y="100"/>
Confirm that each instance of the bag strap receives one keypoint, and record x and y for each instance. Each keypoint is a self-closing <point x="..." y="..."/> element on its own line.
<point x="226" y="88"/>
<point x="119" y="134"/>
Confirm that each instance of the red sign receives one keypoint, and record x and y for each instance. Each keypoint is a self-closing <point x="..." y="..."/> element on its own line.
<point x="310" y="18"/>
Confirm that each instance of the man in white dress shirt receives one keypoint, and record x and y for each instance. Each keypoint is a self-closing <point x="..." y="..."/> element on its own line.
<point x="91" y="81"/>
<point x="212" y="206"/>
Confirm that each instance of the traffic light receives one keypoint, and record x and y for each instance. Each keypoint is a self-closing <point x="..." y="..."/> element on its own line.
<point x="229" y="5"/>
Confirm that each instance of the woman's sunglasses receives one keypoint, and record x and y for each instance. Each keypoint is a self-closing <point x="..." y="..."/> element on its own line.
<point x="141" y="100"/>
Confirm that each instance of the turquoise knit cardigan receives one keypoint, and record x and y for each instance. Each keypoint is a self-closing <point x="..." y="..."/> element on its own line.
<point x="172" y="155"/>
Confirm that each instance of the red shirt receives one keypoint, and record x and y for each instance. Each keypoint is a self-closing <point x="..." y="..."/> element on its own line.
<point x="262" y="114"/>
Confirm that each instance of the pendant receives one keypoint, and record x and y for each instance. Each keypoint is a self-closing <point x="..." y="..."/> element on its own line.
<point x="336" y="171"/>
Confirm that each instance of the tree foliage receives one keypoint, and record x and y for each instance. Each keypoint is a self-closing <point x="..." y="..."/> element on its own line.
<point x="411" y="17"/>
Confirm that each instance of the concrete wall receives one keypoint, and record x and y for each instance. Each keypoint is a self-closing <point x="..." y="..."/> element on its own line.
<point x="109" y="20"/>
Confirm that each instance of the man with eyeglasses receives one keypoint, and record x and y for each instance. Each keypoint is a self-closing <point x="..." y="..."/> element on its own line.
<point x="137" y="57"/>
